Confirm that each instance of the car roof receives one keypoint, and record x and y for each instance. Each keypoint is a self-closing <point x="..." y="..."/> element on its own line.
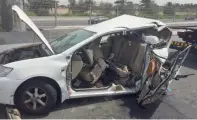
<point x="128" y="21"/>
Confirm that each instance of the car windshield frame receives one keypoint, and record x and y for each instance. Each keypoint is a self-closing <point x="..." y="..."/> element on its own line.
<point x="67" y="41"/>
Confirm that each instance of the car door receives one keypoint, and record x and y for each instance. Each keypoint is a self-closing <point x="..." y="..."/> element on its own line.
<point x="175" y="62"/>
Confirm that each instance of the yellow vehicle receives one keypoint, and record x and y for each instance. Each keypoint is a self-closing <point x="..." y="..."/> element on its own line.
<point x="189" y="37"/>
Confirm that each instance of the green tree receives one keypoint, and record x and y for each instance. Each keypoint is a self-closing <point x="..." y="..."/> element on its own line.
<point x="146" y="3"/>
<point x="80" y="2"/>
<point x="83" y="6"/>
<point x="41" y="7"/>
<point x="88" y="3"/>
<point x="72" y="3"/>
<point x="169" y="9"/>
<point x="105" y="8"/>
<point x="121" y="4"/>
<point x="149" y="8"/>
<point x="62" y="6"/>
<point x="128" y="8"/>
<point x="79" y="7"/>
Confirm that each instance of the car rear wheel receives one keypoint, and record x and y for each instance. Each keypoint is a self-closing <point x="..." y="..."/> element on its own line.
<point x="36" y="98"/>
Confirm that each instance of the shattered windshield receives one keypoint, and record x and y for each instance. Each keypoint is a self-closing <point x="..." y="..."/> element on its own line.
<point x="65" y="42"/>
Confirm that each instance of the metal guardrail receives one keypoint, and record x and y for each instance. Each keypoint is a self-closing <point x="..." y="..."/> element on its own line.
<point x="169" y="24"/>
<point x="182" y="24"/>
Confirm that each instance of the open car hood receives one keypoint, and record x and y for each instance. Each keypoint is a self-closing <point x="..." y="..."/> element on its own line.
<point x="29" y="22"/>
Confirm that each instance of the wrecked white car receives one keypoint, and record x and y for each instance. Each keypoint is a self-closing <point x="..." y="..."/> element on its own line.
<point x="124" y="55"/>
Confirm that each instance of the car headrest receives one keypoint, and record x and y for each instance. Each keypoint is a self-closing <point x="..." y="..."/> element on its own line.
<point x="151" y="39"/>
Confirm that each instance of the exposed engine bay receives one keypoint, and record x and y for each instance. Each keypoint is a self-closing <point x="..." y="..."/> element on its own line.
<point x="23" y="53"/>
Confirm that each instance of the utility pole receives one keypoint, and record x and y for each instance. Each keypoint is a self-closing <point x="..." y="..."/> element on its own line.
<point x="6" y="15"/>
<point x="117" y="6"/>
<point x="55" y="13"/>
<point x="174" y="15"/>
<point x="90" y="16"/>
<point x="18" y="25"/>
<point x="117" y="10"/>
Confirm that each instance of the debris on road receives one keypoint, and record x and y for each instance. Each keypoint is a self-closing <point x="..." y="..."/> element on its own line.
<point x="13" y="113"/>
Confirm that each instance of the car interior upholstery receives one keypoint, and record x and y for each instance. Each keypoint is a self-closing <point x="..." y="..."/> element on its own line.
<point x="93" y="71"/>
<point x="121" y="55"/>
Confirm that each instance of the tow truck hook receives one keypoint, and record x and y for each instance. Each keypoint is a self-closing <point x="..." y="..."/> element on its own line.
<point x="178" y="77"/>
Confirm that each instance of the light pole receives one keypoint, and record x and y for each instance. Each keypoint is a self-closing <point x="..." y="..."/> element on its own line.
<point x="120" y="2"/>
<point x="141" y="7"/>
<point x="117" y="9"/>
<point x="18" y="24"/>
<point x="55" y="13"/>
<point x="90" y="8"/>
<point x="131" y="5"/>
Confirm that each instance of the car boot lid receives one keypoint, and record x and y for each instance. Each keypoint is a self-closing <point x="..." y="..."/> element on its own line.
<point x="29" y="22"/>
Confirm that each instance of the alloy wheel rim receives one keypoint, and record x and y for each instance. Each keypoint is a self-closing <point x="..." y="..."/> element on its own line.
<point x="35" y="98"/>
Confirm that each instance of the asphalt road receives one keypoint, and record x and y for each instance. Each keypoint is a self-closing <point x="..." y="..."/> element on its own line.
<point x="61" y="21"/>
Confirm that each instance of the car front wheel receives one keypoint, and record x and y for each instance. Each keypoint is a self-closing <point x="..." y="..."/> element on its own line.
<point x="36" y="97"/>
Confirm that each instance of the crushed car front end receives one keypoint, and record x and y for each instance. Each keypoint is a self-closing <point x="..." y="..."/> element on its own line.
<point x="16" y="74"/>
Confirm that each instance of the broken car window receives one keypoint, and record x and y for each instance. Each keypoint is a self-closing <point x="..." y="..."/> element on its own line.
<point x="65" y="42"/>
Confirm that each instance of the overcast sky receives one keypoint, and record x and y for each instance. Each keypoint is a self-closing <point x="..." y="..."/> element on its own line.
<point x="159" y="2"/>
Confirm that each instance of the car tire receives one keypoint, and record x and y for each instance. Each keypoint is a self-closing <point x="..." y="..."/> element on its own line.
<point x="45" y="99"/>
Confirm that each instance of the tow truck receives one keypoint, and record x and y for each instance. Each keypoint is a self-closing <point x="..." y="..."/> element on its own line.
<point x="188" y="36"/>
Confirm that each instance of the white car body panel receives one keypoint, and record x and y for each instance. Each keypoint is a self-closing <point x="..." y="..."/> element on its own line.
<point x="7" y="90"/>
<point x="129" y="21"/>
<point x="163" y="53"/>
<point x="52" y="66"/>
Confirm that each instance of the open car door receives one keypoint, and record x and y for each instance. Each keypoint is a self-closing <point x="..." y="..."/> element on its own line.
<point x="147" y="95"/>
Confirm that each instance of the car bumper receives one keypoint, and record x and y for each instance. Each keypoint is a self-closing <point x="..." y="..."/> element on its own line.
<point x="7" y="90"/>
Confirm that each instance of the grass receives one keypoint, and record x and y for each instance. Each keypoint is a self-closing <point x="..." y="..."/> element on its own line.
<point x="180" y="17"/>
<point x="30" y="13"/>
<point x="171" y="16"/>
<point x="74" y="14"/>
